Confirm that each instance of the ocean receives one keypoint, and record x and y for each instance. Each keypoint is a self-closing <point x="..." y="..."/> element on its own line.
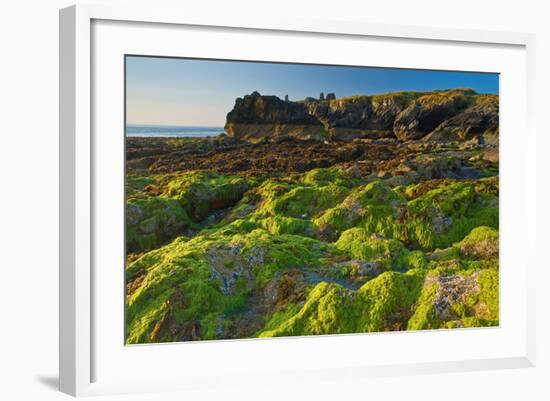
<point x="171" y="131"/>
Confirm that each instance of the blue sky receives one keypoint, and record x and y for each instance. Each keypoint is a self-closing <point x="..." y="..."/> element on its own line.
<point x="171" y="91"/>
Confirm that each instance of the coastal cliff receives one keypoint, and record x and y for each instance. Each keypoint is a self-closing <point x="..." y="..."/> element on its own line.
<point x="439" y="116"/>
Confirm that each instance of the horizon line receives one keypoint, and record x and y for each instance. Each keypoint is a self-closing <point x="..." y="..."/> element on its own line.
<point x="174" y="125"/>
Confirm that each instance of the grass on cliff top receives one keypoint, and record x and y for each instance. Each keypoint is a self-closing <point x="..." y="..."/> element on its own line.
<point x="405" y="97"/>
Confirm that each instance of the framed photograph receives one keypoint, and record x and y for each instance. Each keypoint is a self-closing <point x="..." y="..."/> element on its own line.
<point x="284" y="199"/>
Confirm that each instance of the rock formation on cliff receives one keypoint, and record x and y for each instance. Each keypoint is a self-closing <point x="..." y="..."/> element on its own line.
<point x="256" y="117"/>
<point x="480" y="119"/>
<point x="441" y="116"/>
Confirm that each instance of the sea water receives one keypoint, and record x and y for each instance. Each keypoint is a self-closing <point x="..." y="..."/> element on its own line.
<point x="173" y="131"/>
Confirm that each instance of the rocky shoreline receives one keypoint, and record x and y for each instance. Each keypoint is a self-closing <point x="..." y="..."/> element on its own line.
<point x="378" y="223"/>
<point x="224" y="154"/>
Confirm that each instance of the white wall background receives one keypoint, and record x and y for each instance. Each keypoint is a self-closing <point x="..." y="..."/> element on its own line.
<point x="29" y="196"/>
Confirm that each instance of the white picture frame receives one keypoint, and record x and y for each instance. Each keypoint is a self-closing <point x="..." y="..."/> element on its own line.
<point x="77" y="369"/>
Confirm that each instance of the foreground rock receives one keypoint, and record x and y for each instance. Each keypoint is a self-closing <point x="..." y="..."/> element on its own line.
<point x="409" y="161"/>
<point x="326" y="251"/>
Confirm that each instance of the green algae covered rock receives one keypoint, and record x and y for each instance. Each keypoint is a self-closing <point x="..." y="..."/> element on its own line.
<point x="373" y="205"/>
<point x="390" y="254"/>
<point x="435" y="218"/>
<point x="465" y="299"/>
<point x="151" y="221"/>
<point x="482" y="242"/>
<point x="446" y="214"/>
<point x="394" y="301"/>
<point x="331" y="308"/>
<point x="172" y="290"/>
<point x="323" y="252"/>
<point x="201" y="192"/>
<point x="286" y="206"/>
<point x="305" y="202"/>
<point x="269" y="253"/>
<point x="288" y="225"/>
<point x="329" y="176"/>
<point x="160" y="208"/>
<point x="300" y="200"/>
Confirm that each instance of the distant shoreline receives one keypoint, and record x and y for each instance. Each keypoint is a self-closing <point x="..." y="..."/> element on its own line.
<point x="171" y="131"/>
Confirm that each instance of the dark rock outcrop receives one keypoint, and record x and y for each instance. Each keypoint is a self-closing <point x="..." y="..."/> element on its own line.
<point x="427" y="112"/>
<point x="480" y="120"/>
<point x="439" y="116"/>
<point x="361" y="116"/>
<point x="256" y="117"/>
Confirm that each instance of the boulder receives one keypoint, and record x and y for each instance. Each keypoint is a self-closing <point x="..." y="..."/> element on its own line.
<point x="482" y="242"/>
<point x="491" y="155"/>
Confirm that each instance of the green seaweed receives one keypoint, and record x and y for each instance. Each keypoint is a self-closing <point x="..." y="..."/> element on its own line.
<point x="390" y="253"/>
<point x="189" y="268"/>
<point x="435" y="219"/>
<point x="161" y="208"/>
<point x="333" y="309"/>
<point x="193" y="279"/>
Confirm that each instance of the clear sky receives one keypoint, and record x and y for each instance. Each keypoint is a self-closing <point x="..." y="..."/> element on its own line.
<point x="172" y="91"/>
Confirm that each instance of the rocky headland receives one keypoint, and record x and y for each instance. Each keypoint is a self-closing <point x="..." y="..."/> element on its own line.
<point x="441" y="116"/>
<point x="321" y="216"/>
